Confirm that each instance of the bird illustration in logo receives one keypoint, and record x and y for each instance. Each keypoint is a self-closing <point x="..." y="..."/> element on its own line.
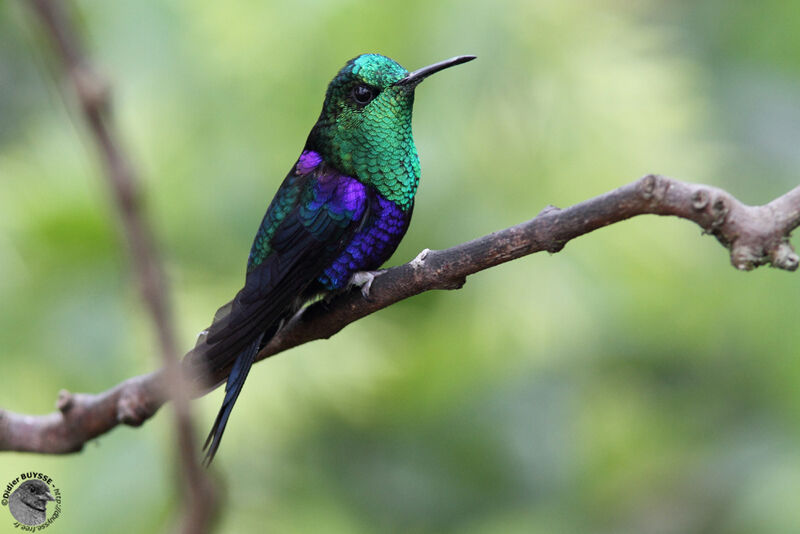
<point x="28" y="504"/>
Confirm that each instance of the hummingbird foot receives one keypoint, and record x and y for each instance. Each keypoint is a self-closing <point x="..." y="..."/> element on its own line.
<point x="364" y="279"/>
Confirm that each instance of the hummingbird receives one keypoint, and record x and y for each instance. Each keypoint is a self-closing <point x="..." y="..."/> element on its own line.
<point x="337" y="217"/>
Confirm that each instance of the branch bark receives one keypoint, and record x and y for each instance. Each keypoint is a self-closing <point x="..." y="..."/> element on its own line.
<point x="754" y="235"/>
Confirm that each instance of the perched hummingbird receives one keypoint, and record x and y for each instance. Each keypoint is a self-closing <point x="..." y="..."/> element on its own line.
<point x="339" y="213"/>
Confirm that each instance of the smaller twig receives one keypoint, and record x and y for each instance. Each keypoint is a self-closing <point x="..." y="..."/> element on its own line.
<point x="94" y="98"/>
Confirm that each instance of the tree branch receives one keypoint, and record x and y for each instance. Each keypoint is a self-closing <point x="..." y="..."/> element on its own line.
<point x="81" y="417"/>
<point x="755" y="235"/>
<point x="93" y="96"/>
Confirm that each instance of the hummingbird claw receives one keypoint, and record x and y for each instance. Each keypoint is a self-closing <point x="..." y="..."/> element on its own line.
<point x="364" y="279"/>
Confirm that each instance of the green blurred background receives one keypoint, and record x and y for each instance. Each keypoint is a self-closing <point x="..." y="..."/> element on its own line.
<point x="633" y="383"/>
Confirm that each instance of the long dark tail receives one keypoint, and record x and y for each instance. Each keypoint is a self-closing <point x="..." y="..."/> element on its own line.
<point x="234" y="337"/>
<point x="238" y="375"/>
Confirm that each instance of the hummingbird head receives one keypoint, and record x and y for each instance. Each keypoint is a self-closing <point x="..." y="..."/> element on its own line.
<point x="364" y="129"/>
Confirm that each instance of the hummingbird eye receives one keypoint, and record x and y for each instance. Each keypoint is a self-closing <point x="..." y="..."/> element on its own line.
<point x="363" y="94"/>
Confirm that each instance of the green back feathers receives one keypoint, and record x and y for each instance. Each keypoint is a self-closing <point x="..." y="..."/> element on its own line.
<point x="364" y="129"/>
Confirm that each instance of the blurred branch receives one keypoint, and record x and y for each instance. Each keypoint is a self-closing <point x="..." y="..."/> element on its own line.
<point x="82" y="417"/>
<point x="755" y="235"/>
<point x="93" y="96"/>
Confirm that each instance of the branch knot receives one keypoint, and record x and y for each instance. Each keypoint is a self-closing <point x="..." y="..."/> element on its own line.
<point x="65" y="401"/>
<point x="719" y="210"/>
<point x="654" y="188"/>
<point x="700" y="199"/>
<point x="784" y="257"/>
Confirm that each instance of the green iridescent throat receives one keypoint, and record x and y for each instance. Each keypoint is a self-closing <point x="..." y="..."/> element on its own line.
<point x="372" y="143"/>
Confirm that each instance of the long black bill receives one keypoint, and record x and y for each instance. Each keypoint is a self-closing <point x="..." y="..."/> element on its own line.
<point x="413" y="78"/>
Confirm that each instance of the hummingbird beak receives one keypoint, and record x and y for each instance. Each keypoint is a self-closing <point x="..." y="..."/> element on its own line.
<point x="413" y="78"/>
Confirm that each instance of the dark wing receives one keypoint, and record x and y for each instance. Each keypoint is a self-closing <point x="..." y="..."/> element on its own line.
<point x="308" y="223"/>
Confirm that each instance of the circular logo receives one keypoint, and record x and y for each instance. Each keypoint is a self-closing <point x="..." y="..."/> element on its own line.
<point x="27" y="497"/>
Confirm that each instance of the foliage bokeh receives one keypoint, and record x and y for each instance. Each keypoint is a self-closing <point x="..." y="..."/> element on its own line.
<point x="632" y="383"/>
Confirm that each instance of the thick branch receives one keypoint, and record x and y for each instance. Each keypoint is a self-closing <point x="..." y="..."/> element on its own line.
<point x="755" y="235"/>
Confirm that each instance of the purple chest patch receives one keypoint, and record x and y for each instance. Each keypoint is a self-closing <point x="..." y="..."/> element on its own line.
<point x="370" y="246"/>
